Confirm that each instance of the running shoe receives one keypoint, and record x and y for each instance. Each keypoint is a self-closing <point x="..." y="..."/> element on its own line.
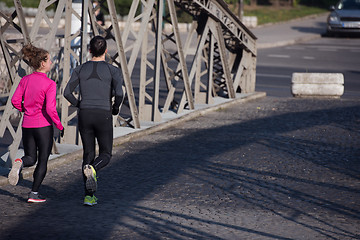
<point x="13" y="176"/>
<point x="91" y="181"/>
<point x="35" y="198"/>
<point x="90" y="200"/>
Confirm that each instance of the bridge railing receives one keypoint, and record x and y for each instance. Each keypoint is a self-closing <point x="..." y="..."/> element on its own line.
<point x="163" y="69"/>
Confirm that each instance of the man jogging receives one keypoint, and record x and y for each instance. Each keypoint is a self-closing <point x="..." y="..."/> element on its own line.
<point x="98" y="82"/>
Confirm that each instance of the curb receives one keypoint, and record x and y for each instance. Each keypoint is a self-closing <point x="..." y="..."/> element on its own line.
<point x="287" y="43"/>
<point x="292" y="20"/>
<point x="77" y="154"/>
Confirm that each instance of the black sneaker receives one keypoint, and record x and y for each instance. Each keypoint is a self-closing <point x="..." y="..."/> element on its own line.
<point x="35" y="198"/>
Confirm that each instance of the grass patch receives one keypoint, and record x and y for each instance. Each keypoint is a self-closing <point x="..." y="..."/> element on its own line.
<point x="27" y="3"/>
<point x="272" y="15"/>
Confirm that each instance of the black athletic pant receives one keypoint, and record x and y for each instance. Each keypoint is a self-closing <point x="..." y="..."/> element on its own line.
<point x="96" y="124"/>
<point x="37" y="147"/>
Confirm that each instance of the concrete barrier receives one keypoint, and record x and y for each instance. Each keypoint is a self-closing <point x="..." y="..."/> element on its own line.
<point x="250" y="21"/>
<point x="317" y="85"/>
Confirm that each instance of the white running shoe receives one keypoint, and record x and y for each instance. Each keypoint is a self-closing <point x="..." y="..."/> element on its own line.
<point x="13" y="176"/>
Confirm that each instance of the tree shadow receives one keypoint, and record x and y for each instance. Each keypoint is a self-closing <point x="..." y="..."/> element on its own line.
<point x="320" y="28"/>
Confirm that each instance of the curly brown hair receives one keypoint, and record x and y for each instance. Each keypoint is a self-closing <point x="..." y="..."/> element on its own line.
<point x="34" y="56"/>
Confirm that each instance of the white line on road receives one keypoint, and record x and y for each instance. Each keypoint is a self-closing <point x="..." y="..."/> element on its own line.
<point x="271" y="86"/>
<point x="295" y="48"/>
<point x="278" y="56"/>
<point x="327" y="49"/>
<point x="272" y="75"/>
<point x="308" y="58"/>
<point x="335" y="48"/>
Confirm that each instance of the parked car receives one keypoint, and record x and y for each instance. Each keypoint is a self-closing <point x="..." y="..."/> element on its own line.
<point x="344" y="17"/>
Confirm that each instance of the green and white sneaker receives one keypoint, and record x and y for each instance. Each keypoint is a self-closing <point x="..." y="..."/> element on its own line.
<point x="90" y="200"/>
<point x="91" y="181"/>
<point x="13" y="176"/>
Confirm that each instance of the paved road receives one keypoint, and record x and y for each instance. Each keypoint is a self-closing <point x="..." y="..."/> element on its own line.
<point x="275" y="168"/>
<point x="275" y="66"/>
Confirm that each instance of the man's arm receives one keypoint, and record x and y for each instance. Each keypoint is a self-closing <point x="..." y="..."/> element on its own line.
<point x="117" y="89"/>
<point x="70" y="87"/>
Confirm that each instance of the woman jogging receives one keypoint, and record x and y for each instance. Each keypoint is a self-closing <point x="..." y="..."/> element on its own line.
<point x="35" y="96"/>
<point x="99" y="81"/>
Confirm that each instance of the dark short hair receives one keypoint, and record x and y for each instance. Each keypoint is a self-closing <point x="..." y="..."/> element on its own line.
<point x="97" y="46"/>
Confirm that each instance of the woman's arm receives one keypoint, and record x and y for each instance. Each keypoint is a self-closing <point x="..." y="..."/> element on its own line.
<point x="17" y="98"/>
<point x="51" y="106"/>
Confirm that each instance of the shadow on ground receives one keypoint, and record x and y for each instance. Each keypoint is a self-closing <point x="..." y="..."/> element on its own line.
<point x="273" y="177"/>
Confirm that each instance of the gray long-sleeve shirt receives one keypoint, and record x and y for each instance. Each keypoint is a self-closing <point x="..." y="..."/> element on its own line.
<point x="99" y="81"/>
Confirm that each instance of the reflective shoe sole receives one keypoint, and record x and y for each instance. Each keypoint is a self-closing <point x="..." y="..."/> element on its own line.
<point x="36" y="200"/>
<point x="13" y="176"/>
<point x="91" y="183"/>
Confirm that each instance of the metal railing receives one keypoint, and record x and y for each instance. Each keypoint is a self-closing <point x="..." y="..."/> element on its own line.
<point x="217" y="58"/>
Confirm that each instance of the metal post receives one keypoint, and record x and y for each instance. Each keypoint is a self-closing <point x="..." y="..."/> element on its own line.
<point x="84" y="31"/>
<point x="158" y="49"/>
<point x="241" y="9"/>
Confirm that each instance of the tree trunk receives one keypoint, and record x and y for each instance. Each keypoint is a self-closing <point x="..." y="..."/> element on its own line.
<point x="276" y="3"/>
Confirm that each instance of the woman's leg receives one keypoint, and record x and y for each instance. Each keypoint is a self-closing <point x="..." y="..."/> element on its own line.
<point x="30" y="148"/>
<point x="44" y="141"/>
<point x="29" y="159"/>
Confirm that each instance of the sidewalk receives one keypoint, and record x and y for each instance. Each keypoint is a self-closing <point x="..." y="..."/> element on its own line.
<point x="286" y="33"/>
<point x="68" y="152"/>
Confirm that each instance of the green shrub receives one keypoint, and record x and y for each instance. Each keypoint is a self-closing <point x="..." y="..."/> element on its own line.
<point x="27" y="3"/>
<point x="318" y="3"/>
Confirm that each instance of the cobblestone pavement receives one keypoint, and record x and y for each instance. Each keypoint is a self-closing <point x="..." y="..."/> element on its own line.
<point x="274" y="168"/>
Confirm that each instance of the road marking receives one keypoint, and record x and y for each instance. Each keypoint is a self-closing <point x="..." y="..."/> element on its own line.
<point x="327" y="49"/>
<point x="272" y="75"/>
<point x="308" y="58"/>
<point x="335" y="48"/>
<point x="295" y="48"/>
<point x="278" y="56"/>
<point x="271" y="86"/>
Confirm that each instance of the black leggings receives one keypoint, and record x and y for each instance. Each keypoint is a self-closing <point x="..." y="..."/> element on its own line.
<point x="96" y="124"/>
<point x="37" y="147"/>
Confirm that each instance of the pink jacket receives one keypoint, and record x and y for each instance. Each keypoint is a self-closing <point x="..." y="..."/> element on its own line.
<point x="36" y="97"/>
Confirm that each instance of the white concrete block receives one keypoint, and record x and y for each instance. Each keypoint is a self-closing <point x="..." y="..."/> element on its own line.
<point x="317" y="84"/>
<point x="250" y="21"/>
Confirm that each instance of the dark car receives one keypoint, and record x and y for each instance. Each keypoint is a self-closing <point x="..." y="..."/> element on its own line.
<point x="344" y="17"/>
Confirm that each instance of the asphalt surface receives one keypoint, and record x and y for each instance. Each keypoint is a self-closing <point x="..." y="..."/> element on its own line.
<point x="256" y="168"/>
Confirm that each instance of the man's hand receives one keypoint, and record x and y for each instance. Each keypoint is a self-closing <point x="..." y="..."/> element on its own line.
<point x="115" y="110"/>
